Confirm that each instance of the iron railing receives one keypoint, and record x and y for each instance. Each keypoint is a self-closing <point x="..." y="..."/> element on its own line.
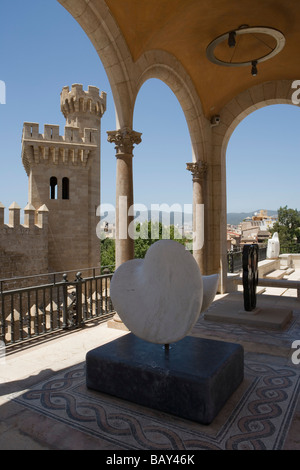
<point x="34" y="311"/>
<point x="235" y="259"/>
<point x="290" y="248"/>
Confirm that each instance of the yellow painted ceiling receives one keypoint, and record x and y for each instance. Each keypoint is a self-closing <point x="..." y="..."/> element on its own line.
<point x="184" y="28"/>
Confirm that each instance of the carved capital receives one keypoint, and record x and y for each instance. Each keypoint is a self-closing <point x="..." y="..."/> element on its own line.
<point x="198" y="170"/>
<point x="124" y="140"/>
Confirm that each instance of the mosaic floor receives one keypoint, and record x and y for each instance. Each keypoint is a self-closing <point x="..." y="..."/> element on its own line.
<point x="280" y="339"/>
<point x="257" y="416"/>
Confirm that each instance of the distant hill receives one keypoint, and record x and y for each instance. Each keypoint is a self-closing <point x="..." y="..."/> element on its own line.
<point x="172" y="218"/>
<point x="235" y="218"/>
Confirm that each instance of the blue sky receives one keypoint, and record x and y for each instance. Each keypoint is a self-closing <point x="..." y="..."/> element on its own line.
<point x="43" y="49"/>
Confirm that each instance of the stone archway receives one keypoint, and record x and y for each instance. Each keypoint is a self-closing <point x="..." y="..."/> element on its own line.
<point x="268" y="93"/>
<point x="208" y="143"/>
<point x="126" y="77"/>
<point x="114" y="54"/>
<point x="163" y="66"/>
<point x="104" y="33"/>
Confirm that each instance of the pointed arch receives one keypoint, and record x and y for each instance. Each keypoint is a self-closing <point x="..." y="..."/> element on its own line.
<point x="165" y="67"/>
<point x="104" y="33"/>
<point x="258" y="96"/>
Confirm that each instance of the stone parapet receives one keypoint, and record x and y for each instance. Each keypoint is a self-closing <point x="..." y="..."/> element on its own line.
<point x="81" y="139"/>
<point x="33" y="218"/>
<point x="77" y="101"/>
<point x="51" y="134"/>
<point x="23" y="246"/>
<point x="52" y="148"/>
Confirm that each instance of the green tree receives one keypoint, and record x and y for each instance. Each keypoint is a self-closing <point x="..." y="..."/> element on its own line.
<point x="288" y="228"/>
<point x="107" y="254"/>
<point x="150" y="232"/>
<point x="147" y="233"/>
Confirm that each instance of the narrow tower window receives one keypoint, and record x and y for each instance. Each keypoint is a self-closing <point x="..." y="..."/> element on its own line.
<point x="65" y="188"/>
<point x="53" y="187"/>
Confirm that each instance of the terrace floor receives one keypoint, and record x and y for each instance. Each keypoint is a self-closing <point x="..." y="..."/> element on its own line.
<point x="45" y="405"/>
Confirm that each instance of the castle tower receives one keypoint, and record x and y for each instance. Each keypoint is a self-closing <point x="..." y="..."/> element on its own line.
<point x="64" y="174"/>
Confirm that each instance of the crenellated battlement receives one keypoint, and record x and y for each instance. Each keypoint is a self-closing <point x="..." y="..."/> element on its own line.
<point x="52" y="148"/>
<point x="81" y="139"/>
<point x="51" y="135"/>
<point x="33" y="218"/>
<point x="77" y="101"/>
<point x="23" y="246"/>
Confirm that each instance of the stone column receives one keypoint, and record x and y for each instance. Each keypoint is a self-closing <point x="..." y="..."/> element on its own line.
<point x="199" y="171"/>
<point x="124" y="140"/>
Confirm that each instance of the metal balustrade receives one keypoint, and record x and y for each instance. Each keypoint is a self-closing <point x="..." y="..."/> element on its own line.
<point x="235" y="259"/>
<point x="34" y="311"/>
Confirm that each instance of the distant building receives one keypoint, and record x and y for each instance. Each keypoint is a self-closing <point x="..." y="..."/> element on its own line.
<point x="256" y="229"/>
<point x="233" y="237"/>
<point x="108" y="229"/>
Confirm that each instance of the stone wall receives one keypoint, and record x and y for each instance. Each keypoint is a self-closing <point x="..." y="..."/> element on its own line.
<point x="23" y="247"/>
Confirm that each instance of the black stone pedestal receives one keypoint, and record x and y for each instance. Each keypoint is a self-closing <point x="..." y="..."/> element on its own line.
<point x="193" y="379"/>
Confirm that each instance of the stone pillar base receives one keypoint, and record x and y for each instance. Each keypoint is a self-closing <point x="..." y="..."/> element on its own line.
<point x="116" y="323"/>
<point x="192" y="380"/>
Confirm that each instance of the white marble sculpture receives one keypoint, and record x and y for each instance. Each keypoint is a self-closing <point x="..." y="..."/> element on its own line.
<point x="160" y="298"/>
<point x="273" y="248"/>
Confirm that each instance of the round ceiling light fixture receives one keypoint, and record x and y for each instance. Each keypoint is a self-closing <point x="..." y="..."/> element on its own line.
<point x="233" y="43"/>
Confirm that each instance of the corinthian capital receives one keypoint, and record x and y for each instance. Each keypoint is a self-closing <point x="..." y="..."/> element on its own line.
<point x="198" y="169"/>
<point x="124" y="140"/>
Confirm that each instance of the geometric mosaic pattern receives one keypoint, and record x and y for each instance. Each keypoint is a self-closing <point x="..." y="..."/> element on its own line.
<point x="256" y="416"/>
<point x="238" y="333"/>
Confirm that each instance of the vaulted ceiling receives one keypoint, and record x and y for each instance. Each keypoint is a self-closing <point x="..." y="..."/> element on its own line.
<point x="184" y="28"/>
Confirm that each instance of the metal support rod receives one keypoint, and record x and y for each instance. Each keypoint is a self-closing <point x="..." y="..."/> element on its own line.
<point x="65" y="302"/>
<point x="2" y="337"/>
<point x="79" y="299"/>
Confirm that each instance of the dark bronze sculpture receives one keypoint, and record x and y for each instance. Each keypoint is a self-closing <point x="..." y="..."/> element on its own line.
<point x="250" y="276"/>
